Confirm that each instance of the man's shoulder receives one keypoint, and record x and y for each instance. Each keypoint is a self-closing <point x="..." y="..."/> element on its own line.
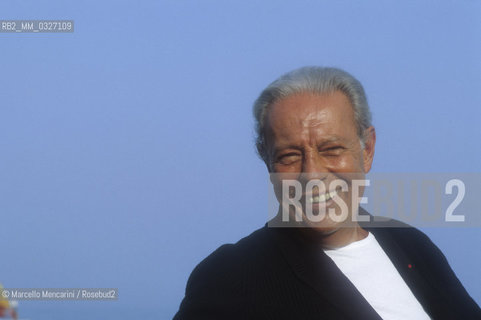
<point x="246" y="248"/>
<point x="218" y="286"/>
<point x="395" y="236"/>
<point x="397" y="230"/>
<point x="232" y="261"/>
<point x="431" y="265"/>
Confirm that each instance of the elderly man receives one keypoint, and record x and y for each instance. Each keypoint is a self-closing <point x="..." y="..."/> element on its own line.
<point x="314" y="124"/>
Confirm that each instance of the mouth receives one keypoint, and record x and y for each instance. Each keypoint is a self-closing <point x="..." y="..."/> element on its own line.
<point x="322" y="197"/>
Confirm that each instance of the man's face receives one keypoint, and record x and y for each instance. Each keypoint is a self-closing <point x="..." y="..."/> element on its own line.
<point x="311" y="136"/>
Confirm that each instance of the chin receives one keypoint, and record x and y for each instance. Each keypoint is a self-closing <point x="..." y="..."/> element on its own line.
<point x="327" y="226"/>
<point x="324" y="228"/>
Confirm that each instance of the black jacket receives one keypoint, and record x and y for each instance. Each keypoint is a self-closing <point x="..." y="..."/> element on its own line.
<point x="275" y="274"/>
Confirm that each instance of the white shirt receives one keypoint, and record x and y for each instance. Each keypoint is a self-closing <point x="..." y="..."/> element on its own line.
<point x="371" y="271"/>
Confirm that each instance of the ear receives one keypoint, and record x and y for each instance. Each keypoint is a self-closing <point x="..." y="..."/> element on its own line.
<point x="369" y="146"/>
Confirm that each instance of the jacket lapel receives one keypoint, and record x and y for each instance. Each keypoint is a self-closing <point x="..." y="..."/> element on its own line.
<point x="404" y="264"/>
<point x="313" y="267"/>
<point x="407" y="269"/>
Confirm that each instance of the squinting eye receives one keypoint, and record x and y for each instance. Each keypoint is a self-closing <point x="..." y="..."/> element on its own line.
<point x="288" y="158"/>
<point x="332" y="150"/>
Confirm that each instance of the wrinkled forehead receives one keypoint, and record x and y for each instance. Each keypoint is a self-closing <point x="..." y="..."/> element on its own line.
<point x="309" y="110"/>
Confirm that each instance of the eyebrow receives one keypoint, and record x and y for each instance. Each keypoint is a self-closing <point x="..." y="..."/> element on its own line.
<point x="328" y="140"/>
<point x="331" y="139"/>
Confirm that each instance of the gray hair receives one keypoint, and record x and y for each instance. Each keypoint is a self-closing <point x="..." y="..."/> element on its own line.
<point x="317" y="80"/>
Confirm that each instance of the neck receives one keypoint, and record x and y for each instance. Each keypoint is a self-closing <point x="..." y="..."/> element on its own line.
<point x="340" y="237"/>
<point x="326" y="238"/>
<point x="334" y="238"/>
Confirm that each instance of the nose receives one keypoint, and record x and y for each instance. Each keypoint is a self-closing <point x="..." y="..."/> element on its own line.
<point x="313" y="167"/>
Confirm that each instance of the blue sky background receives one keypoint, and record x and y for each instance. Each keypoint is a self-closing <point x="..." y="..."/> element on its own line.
<point x="127" y="146"/>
